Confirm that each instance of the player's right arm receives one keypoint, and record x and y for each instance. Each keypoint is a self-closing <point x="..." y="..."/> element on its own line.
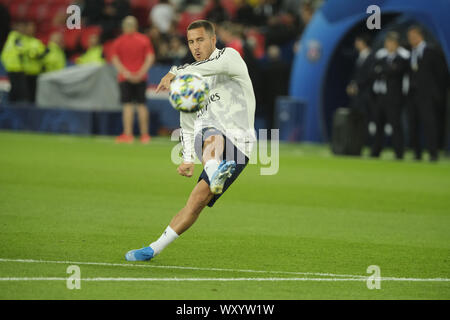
<point x="186" y="169"/>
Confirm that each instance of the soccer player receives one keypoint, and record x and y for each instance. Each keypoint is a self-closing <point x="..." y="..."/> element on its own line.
<point x="221" y="134"/>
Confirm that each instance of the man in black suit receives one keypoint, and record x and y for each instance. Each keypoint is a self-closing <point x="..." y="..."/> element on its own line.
<point x="390" y="66"/>
<point x="428" y="78"/>
<point x="359" y="88"/>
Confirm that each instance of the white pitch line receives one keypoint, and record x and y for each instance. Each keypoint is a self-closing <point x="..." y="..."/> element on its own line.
<point x="220" y="279"/>
<point x="181" y="267"/>
<point x="331" y="276"/>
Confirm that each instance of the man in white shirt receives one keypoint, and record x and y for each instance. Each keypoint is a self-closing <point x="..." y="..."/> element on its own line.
<point x="221" y="134"/>
<point x="391" y="64"/>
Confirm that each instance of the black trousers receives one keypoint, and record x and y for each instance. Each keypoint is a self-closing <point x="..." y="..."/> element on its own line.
<point x="32" y="84"/>
<point x="423" y="113"/>
<point x="19" y="87"/>
<point x="388" y="109"/>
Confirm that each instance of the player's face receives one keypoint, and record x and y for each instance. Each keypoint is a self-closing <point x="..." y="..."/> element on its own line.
<point x="201" y="43"/>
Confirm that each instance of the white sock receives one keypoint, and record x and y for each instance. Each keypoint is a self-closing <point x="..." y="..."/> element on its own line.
<point x="211" y="167"/>
<point x="166" y="238"/>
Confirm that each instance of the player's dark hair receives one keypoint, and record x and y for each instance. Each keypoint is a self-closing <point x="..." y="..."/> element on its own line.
<point x="208" y="26"/>
<point x="417" y="28"/>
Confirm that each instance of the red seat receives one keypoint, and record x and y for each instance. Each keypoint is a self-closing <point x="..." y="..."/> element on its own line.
<point x="37" y="2"/>
<point x="143" y="3"/>
<point x="17" y="10"/>
<point x="36" y="12"/>
<point x="229" y="6"/>
<point x="72" y="39"/>
<point x="60" y="2"/>
<point x="51" y="11"/>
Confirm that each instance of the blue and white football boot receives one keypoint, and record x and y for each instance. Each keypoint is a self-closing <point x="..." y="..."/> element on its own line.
<point x="223" y="172"/>
<point x="143" y="254"/>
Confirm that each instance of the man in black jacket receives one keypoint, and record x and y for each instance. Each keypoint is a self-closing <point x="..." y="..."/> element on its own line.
<point x="390" y="66"/>
<point x="360" y="87"/>
<point x="428" y="77"/>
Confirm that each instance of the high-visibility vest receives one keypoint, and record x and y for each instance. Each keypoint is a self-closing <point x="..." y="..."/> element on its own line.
<point x="92" y="55"/>
<point x="54" y="59"/>
<point x="12" y="53"/>
<point x="34" y="51"/>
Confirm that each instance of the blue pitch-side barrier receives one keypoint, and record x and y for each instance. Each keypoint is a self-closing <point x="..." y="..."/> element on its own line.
<point x="30" y="118"/>
<point x="60" y="120"/>
<point x="319" y="72"/>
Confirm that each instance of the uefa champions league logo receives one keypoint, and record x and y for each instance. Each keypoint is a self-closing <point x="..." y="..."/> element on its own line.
<point x="314" y="50"/>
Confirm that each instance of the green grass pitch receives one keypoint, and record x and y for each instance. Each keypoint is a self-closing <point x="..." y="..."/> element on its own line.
<point x="313" y="228"/>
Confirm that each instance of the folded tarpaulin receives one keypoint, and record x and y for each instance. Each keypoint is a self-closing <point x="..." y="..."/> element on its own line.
<point x="86" y="87"/>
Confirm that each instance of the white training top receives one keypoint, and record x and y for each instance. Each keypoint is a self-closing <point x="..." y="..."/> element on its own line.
<point x="231" y="102"/>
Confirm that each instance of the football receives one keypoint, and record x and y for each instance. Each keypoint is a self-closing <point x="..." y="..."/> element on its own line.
<point x="188" y="92"/>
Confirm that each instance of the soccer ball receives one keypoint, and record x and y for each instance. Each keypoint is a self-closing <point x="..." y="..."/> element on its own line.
<point x="188" y="92"/>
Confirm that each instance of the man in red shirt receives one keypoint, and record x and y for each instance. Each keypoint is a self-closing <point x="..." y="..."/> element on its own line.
<point x="133" y="56"/>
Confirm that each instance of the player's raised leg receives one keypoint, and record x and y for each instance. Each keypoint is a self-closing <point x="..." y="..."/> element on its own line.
<point x="212" y="154"/>
<point x="217" y="170"/>
<point x="200" y="196"/>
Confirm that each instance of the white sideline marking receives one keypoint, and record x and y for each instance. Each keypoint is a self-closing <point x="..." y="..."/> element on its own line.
<point x="220" y="279"/>
<point x="181" y="267"/>
<point x="330" y="276"/>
